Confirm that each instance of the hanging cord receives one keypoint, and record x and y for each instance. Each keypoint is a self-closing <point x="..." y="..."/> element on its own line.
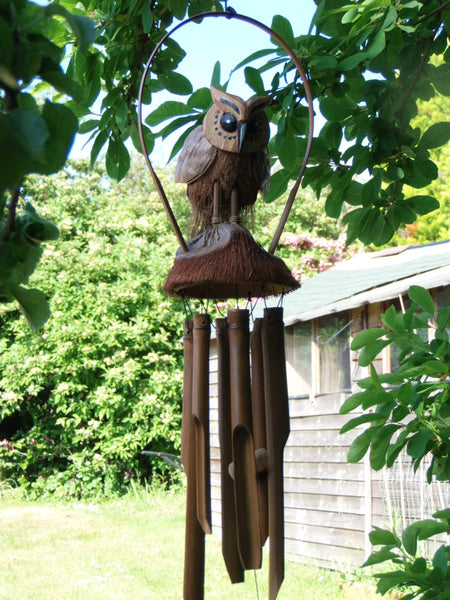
<point x="256" y="585"/>
<point x="187" y="307"/>
<point x="280" y="301"/>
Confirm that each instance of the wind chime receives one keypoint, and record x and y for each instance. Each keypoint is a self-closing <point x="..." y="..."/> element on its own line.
<point x="224" y="164"/>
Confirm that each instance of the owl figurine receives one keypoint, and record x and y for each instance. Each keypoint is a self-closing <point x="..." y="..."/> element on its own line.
<point x="225" y="161"/>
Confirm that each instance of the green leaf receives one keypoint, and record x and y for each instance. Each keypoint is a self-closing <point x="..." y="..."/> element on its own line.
<point x="278" y="184"/>
<point x="98" y="144"/>
<point x="428" y="528"/>
<point x="254" y="80"/>
<point x="440" y="561"/>
<point x="371" y="351"/>
<point x="383" y="537"/>
<point x="367" y="336"/>
<point x="32" y="130"/>
<point x="443" y="514"/>
<point x="62" y="125"/>
<point x="147" y="17"/>
<point x="349" y="16"/>
<point x="52" y="73"/>
<point x="362" y="419"/>
<point x="350" y="62"/>
<point x="359" y="446"/>
<point x="409" y="539"/>
<point x="380" y="556"/>
<point x="176" y="83"/>
<point x="215" y="77"/>
<point x="178" y="7"/>
<point x="440" y="78"/>
<point x="380" y="444"/>
<point x="167" y="110"/>
<point x="337" y="109"/>
<point x="353" y="194"/>
<point x="33" y="304"/>
<point x="419" y="566"/>
<point x="6" y="45"/>
<point x="423" y="205"/>
<point x="148" y="138"/>
<point x="117" y="159"/>
<point x="82" y="27"/>
<point x="35" y="228"/>
<point x="287" y="150"/>
<point x="352" y="402"/>
<point x="200" y="99"/>
<point x="324" y="62"/>
<point x="392" y="579"/>
<point x="434" y="368"/>
<point x="422" y="298"/>
<point x="284" y="29"/>
<point x="331" y="133"/>
<point x="436" y="135"/>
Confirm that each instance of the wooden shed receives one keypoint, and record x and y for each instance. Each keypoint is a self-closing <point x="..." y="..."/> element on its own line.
<point x="330" y="505"/>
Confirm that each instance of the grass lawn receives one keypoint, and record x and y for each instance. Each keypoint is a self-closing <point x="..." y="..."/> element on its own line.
<point x="126" y="549"/>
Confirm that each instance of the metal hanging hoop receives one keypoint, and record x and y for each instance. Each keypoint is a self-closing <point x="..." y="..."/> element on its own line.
<point x="229" y="15"/>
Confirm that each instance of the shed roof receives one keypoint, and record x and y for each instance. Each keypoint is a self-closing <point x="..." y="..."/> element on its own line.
<point x="368" y="278"/>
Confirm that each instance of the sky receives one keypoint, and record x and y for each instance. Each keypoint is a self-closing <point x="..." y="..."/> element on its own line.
<point x="228" y="41"/>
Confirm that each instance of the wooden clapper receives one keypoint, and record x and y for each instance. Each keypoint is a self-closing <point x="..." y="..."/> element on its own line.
<point x="252" y="390"/>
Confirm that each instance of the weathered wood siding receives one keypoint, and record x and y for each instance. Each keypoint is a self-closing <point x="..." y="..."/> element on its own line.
<point x="326" y="499"/>
<point x="330" y="505"/>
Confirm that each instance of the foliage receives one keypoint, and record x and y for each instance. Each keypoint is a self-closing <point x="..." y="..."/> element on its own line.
<point x="34" y="137"/>
<point x="419" y="390"/>
<point x="428" y="578"/>
<point x="54" y="60"/>
<point x="321" y="253"/>
<point x="101" y="382"/>
<point x="368" y="64"/>
<point x="407" y="409"/>
<point x="432" y="227"/>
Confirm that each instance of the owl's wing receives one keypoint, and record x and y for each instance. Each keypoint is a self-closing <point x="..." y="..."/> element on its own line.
<point x="263" y="170"/>
<point x="195" y="157"/>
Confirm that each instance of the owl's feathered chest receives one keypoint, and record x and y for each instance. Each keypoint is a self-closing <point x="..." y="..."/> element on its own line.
<point x="231" y="170"/>
<point x="204" y="166"/>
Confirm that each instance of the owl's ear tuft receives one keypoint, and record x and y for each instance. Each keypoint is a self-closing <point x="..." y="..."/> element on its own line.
<point x="226" y="102"/>
<point x="258" y="104"/>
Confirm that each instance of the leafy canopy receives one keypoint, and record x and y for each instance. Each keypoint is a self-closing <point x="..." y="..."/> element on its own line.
<point x="368" y="64"/>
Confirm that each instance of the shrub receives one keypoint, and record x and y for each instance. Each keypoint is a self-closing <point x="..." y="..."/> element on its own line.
<point x="101" y="381"/>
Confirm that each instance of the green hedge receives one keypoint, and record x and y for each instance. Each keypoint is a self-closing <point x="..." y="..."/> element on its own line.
<point x="101" y="381"/>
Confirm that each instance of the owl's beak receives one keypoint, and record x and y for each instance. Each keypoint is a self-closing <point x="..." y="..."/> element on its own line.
<point x="241" y="129"/>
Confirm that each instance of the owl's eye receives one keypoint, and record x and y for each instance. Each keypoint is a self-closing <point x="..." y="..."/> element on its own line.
<point x="253" y="126"/>
<point x="228" y="122"/>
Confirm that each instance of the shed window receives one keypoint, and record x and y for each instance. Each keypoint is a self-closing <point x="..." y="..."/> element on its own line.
<point x="443" y="298"/>
<point x="318" y="356"/>
<point x="333" y="338"/>
<point x="298" y="358"/>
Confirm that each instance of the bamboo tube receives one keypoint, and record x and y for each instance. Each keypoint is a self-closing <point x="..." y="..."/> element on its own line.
<point x="194" y="546"/>
<point x="277" y="421"/>
<point x="230" y="550"/>
<point x="200" y="414"/>
<point x="245" y="488"/>
<point x="259" y="424"/>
